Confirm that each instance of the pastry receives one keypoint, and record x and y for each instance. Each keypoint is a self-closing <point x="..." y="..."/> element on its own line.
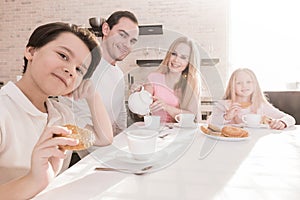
<point x="214" y="128"/>
<point x="209" y="131"/>
<point x="245" y="104"/>
<point x="265" y="120"/>
<point x="86" y="138"/>
<point x="204" y="129"/>
<point x="231" y="131"/>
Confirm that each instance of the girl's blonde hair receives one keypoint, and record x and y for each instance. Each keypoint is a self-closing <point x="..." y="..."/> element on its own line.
<point x="257" y="97"/>
<point x="189" y="84"/>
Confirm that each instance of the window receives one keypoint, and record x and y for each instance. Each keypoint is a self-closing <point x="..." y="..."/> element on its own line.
<point x="265" y="37"/>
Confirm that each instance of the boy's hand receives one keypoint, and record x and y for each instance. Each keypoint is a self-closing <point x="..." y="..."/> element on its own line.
<point x="47" y="157"/>
<point x="85" y="90"/>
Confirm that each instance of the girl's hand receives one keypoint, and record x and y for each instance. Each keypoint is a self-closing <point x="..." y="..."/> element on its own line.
<point x="47" y="157"/>
<point x="277" y="124"/>
<point x="232" y="111"/>
<point x="85" y="90"/>
<point x="157" y="105"/>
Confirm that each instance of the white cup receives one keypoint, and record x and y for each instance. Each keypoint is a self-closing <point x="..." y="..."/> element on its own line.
<point x="152" y="122"/>
<point x="185" y="119"/>
<point x="142" y="143"/>
<point x="252" y="120"/>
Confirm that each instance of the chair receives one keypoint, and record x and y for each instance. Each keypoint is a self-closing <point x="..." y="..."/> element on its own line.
<point x="286" y="101"/>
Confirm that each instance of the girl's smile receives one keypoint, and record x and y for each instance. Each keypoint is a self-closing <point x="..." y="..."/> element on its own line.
<point x="244" y="86"/>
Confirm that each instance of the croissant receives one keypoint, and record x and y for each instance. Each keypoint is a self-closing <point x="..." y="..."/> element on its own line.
<point x="231" y="131"/>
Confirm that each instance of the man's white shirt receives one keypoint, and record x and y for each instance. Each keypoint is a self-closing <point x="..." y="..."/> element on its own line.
<point x="109" y="82"/>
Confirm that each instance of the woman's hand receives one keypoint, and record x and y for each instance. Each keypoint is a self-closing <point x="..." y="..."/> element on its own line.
<point x="47" y="157"/>
<point x="277" y="124"/>
<point x="136" y="88"/>
<point x="158" y="104"/>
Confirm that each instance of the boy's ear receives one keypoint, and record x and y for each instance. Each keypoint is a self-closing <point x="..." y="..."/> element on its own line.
<point x="29" y="52"/>
<point x="105" y="29"/>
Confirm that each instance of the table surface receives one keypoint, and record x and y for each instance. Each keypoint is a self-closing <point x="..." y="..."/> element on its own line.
<point x="190" y="166"/>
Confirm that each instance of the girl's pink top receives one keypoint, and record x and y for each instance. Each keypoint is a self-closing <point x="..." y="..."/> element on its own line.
<point x="166" y="94"/>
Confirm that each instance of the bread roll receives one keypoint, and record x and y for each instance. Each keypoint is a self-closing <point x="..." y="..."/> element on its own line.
<point x="231" y="131"/>
<point x="86" y="138"/>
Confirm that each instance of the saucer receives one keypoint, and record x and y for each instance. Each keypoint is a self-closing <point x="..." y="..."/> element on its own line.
<point x="192" y="126"/>
<point x="128" y="158"/>
<point x="259" y="126"/>
<point x="140" y="124"/>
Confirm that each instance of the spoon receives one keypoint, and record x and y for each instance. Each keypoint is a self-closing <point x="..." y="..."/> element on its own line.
<point x="141" y="172"/>
<point x="169" y="126"/>
<point x="166" y="134"/>
<point x="163" y="136"/>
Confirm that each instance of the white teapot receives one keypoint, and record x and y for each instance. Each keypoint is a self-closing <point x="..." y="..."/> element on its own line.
<point x="139" y="102"/>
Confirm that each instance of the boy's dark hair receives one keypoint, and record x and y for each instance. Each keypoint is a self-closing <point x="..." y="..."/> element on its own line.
<point x="46" y="33"/>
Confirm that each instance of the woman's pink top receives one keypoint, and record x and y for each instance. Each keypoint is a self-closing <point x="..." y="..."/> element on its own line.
<point x="166" y="94"/>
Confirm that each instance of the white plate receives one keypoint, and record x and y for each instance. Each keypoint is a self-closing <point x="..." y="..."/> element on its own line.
<point x="141" y="125"/>
<point x="260" y="126"/>
<point x="245" y="125"/>
<point x="128" y="158"/>
<point x="232" y="139"/>
<point x="192" y="126"/>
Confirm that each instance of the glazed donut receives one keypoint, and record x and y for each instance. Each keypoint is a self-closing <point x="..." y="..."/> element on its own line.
<point x="231" y="131"/>
<point x="86" y="138"/>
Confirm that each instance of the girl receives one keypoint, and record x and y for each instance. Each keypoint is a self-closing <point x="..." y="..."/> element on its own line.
<point x="57" y="58"/>
<point x="243" y="96"/>
<point x="175" y="85"/>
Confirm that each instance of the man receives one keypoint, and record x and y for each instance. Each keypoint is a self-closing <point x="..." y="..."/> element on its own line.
<point x="119" y="34"/>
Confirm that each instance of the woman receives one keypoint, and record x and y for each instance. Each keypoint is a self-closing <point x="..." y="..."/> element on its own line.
<point x="175" y="85"/>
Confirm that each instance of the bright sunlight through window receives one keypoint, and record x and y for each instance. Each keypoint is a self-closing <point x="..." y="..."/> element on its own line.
<point x="265" y="37"/>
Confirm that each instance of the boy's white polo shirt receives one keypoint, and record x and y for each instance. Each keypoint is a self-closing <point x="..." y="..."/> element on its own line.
<point x="21" y="125"/>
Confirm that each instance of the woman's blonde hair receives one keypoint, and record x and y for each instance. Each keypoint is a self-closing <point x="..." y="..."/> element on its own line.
<point x="189" y="84"/>
<point x="257" y="97"/>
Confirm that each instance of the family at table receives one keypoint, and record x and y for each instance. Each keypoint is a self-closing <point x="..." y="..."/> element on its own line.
<point x="65" y="61"/>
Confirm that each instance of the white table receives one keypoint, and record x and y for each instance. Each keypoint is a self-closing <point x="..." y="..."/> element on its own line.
<point x="267" y="166"/>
